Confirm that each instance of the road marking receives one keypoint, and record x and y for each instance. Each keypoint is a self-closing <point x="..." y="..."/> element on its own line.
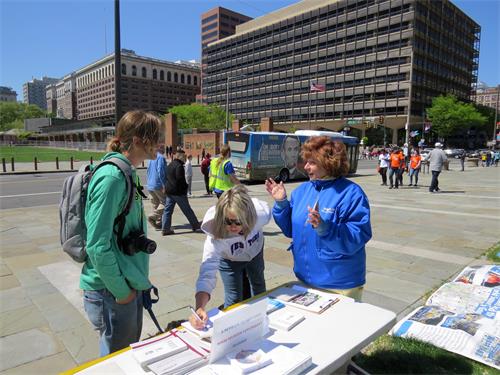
<point x="461" y="195"/>
<point x="454" y="213"/>
<point x="422" y="253"/>
<point x="29" y="195"/>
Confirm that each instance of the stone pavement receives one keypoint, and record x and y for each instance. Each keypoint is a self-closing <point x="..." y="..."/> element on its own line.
<point x="420" y="240"/>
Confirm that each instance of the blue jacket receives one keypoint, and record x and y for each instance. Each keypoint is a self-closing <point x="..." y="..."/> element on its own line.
<point x="157" y="173"/>
<point x="333" y="255"/>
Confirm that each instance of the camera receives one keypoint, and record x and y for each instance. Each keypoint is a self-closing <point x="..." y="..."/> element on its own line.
<point x="137" y="241"/>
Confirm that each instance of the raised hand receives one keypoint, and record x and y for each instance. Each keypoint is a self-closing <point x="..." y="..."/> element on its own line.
<point x="275" y="190"/>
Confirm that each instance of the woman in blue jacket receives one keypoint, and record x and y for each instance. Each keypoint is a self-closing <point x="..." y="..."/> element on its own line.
<point x="328" y="220"/>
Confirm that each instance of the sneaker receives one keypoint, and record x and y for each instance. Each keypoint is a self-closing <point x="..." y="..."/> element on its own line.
<point x="410" y="184"/>
<point x="390" y="187"/>
<point x="197" y="227"/>
<point x="167" y="232"/>
<point x="154" y="223"/>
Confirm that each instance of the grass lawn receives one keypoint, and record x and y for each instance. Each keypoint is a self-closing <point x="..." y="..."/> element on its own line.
<point x="23" y="154"/>
<point x="493" y="253"/>
<point x="396" y="355"/>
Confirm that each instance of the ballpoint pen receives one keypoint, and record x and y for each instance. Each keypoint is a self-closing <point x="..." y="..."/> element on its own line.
<point x="195" y="314"/>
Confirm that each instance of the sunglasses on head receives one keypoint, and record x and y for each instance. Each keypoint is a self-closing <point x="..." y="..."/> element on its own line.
<point x="231" y="221"/>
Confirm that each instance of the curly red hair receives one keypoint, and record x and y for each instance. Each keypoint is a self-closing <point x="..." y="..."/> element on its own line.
<point x="331" y="155"/>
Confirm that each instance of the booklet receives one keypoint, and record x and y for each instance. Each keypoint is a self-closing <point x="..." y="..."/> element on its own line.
<point x="273" y="305"/>
<point x="157" y="348"/>
<point x="180" y="363"/>
<point x="249" y="359"/>
<point x="285" y="319"/>
<point x="308" y="299"/>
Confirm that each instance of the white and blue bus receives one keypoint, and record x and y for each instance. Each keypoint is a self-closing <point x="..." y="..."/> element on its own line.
<point x="257" y="156"/>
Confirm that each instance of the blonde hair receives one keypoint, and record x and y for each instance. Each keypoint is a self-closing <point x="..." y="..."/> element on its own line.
<point x="224" y="154"/>
<point x="141" y="124"/>
<point x="237" y="201"/>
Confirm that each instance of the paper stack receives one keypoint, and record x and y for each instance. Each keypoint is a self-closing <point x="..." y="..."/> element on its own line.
<point x="285" y="319"/>
<point x="157" y="348"/>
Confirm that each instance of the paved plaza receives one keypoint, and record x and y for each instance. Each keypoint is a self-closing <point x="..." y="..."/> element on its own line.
<point x="420" y="240"/>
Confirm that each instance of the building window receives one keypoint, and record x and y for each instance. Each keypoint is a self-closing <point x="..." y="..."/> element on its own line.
<point x="162" y="75"/>
<point x="169" y="76"/>
<point x="195" y="80"/>
<point x="134" y="70"/>
<point x="176" y="77"/>
<point x="144" y="72"/>
<point x="182" y="78"/>
<point x="188" y="79"/>
<point x="155" y="74"/>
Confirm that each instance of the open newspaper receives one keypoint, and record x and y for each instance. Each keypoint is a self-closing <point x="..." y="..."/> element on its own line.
<point x="462" y="316"/>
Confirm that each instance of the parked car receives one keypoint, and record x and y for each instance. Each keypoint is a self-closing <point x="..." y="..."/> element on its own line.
<point x="454" y="152"/>
<point x="425" y="152"/>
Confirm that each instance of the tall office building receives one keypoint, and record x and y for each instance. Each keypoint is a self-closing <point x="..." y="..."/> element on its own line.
<point x="216" y="24"/>
<point x="7" y="94"/>
<point x="369" y="56"/>
<point x="34" y="91"/>
<point x="147" y="83"/>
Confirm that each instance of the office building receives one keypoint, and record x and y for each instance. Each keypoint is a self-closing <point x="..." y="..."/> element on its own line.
<point x="7" y="94"/>
<point x="369" y="56"/>
<point x="488" y="96"/>
<point x="216" y="24"/>
<point x="34" y="91"/>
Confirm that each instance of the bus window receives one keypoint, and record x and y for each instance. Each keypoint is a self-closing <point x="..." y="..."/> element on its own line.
<point x="238" y="142"/>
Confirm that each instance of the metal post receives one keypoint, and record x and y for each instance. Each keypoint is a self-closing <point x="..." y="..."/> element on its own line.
<point x="57" y="162"/>
<point x="36" y="163"/>
<point x="496" y="114"/>
<point x="4" y="166"/>
<point x="91" y="160"/>
<point x="407" y="135"/>
<point x="12" y="164"/>
<point x="227" y="103"/>
<point x="71" y="163"/>
<point x="118" y="65"/>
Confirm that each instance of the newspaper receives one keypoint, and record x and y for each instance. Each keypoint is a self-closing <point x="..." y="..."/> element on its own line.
<point x="462" y="316"/>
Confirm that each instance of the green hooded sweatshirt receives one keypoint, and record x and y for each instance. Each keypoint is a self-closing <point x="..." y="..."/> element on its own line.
<point x="106" y="265"/>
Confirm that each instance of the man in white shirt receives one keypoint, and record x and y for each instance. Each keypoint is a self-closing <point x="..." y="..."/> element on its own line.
<point x="188" y="167"/>
<point x="383" y="163"/>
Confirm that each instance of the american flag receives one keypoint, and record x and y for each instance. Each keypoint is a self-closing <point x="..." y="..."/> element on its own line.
<point x="317" y="87"/>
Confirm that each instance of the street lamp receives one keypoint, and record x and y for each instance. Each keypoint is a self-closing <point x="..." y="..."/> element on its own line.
<point x="229" y="79"/>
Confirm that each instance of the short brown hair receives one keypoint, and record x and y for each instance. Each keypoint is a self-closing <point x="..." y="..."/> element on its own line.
<point x="330" y="154"/>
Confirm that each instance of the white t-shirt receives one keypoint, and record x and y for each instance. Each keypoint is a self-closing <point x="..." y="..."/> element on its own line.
<point x="383" y="160"/>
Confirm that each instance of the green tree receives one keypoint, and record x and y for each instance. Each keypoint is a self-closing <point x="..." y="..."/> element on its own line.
<point x="12" y="114"/>
<point x="200" y="116"/>
<point x="450" y="116"/>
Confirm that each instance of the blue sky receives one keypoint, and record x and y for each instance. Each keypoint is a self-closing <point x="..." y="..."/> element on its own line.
<point x="53" y="38"/>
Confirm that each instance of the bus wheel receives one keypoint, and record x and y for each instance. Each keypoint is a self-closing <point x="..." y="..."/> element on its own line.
<point x="284" y="175"/>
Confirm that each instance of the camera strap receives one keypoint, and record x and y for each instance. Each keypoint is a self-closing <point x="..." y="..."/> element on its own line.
<point x="148" y="302"/>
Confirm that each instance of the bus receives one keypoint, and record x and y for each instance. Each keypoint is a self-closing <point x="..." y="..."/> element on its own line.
<point x="257" y="156"/>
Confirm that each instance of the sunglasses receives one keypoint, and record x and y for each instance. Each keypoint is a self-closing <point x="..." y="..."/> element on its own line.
<point x="231" y="221"/>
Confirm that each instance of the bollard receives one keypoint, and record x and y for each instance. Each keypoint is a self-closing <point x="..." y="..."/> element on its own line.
<point x="36" y="163"/>
<point x="57" y="162"/>
<point x="198" y="159"/>
<point x="91" y="160"/>
<point x="71" y="163"/>
<point x="143" y="163"/>
<point x="12" y="164"/>
<point x="4" y="166"/>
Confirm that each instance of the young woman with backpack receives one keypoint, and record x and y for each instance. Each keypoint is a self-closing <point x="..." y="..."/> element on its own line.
<point x="116" y="269"/>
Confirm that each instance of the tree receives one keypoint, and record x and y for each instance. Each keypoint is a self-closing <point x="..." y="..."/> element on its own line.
<point x="450" y="116"/>
<point x="12" y="114"/>
<point x="200" y="116"/>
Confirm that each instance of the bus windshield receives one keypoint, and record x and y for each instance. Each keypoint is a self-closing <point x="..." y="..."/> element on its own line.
<point x="238" y="142"/>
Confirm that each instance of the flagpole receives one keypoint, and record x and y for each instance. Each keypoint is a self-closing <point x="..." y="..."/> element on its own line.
<point x="309" y="107"/>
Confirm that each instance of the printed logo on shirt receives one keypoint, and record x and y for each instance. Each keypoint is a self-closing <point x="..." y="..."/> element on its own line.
<point x="328" y="210"/>
<point x="237" y="246"/>
<point x="253" y="239"/>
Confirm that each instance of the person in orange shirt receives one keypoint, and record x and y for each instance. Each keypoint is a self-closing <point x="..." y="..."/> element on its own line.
<point x="402" y="167"/>
<point x="415" y="161"/>
<point x="396" y="160"/>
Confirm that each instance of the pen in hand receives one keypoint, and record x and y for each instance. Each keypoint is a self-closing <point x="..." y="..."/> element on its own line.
<point x="196" y="315"/>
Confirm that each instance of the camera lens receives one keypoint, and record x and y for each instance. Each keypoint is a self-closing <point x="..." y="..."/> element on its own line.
<point x="150" y="246"/>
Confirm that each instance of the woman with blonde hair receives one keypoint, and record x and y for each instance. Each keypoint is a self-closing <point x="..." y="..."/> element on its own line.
<point x="234" y="244"/>
<point x="112" y="277"/>
<point x="328" y="220"/>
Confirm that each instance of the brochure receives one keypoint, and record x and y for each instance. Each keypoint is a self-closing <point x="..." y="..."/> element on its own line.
<point x="249" y="359"/>
<point x="157" y="348"/>
<point x="285" y="319"/>
<point x="307" y="299"/>
<point x="273" y="305"/>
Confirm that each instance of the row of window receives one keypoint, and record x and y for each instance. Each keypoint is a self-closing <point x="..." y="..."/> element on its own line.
<point x="185" y="79"/>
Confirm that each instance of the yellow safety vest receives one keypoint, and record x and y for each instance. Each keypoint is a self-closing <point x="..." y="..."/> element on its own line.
<point x="218" y="179"/>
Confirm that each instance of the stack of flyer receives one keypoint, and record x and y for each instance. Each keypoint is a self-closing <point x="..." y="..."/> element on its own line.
<point x="303" y="298"/>
<point x="285" y="319"/>
<point x="170" y="353"/>
<point x="207" y="331"/>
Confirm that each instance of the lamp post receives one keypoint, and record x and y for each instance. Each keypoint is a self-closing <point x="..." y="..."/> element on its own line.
<point x="228" y="80"/>
<point x="351" y="101"/>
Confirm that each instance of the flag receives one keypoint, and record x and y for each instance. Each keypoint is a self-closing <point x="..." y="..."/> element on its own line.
<point x="427" y="127"/>
<point x="414" y="133"/>
<point x="316" y="87"/>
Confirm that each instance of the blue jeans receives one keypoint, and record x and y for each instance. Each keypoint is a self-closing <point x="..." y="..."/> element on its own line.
<point x="231" y="273"/>
<point x="118" y="325"/>
<point x="392" y="172"/>
<point x="414" y="172"/>
<point x="186" y="209"/>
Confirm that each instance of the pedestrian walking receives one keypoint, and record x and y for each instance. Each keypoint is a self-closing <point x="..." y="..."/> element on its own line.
<point x="205" y="167"/>
<point x="462" y="160"/>
<point x="396" y="159"/>
<point x="156" y="181"/>
<point x="436" y="159"/>
<point x="415" y="162"/>
<point x="383" y="164"/>
<point x="222" y="175"/>
<point x="188" y="168"/>
<point x="176" y="193"/>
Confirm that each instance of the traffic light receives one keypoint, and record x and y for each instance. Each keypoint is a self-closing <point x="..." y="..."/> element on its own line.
<point x="380" y="120"/>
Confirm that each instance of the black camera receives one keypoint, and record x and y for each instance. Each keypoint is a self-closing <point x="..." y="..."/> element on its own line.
<point x="137" y="241"/>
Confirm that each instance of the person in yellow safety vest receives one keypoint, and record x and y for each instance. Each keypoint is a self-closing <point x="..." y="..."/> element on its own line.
<point x="222" y="176"/>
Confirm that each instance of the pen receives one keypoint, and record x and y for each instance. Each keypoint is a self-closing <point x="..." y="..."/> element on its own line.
<point x="195" y="314"/>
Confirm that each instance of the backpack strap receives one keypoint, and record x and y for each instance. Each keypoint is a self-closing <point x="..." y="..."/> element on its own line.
<point x="126" y="170"/>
